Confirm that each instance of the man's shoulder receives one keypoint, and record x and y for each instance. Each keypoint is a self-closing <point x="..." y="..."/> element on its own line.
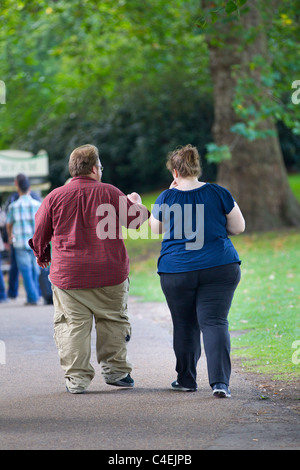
<point x="24" y="203"/>
<point x="71" y="188"/>
<point x="35" y="202"/>
<point x="29" y="201"/>
<point x="100" y="188"/>
<point x="110" y="188"/>
<point x="56" y="192"/>
<point x="14" y="205"/>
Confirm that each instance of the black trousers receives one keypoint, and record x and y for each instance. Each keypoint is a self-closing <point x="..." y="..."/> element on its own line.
<point x="199" y="301"/>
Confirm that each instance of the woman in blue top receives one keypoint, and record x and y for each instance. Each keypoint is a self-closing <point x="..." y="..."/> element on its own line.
<point x="199" y="268"/>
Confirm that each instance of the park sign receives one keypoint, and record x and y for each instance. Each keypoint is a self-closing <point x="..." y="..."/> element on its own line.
<point x="13" y="162"/>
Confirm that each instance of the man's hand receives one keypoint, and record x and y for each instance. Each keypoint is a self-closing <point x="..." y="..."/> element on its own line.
<point x="135" y="198"/>
<point x="42" y="264"/>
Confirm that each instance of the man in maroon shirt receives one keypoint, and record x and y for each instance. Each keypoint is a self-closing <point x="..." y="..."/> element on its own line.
<point x="89" y="269"/>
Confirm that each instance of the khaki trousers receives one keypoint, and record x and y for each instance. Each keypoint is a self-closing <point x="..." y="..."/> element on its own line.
<point x="73" y="319"/>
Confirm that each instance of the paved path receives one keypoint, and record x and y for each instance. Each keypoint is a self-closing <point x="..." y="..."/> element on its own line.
<point x="37" y="413"/>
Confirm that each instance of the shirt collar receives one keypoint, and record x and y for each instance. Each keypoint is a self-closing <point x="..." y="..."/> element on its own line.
<point x="83" y="177"/>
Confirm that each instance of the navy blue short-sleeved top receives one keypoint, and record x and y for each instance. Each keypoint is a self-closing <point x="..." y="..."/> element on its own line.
<point x="195" y="228"/>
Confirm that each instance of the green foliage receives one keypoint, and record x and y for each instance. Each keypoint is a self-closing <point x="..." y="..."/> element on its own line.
<point x="267" y="84"/>
<point x="251" y="131"/>
<point x="263" y="94"/>
<point x="216" y="153"/>
<point x="220" y="10"/>
<point x="123" y="75"/>
<point x="133" y="78"/>
<point x="264" y="90"/>
<point x="135" y="136"/>
<point x="295" y="185"/>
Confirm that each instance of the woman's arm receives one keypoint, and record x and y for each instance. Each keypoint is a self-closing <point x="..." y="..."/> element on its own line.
<point x="155" y="225"/>
<point x="235" y="221"/>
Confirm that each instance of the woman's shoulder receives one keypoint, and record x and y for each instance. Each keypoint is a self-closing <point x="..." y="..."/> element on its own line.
<point x="217" y="187"/>
<point x="162" y="196"/>
<point x="220" y="190"/>
<point x="223" y="196"/>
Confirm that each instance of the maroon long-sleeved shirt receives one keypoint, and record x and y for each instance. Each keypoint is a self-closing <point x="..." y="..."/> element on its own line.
<point x="83" y="221"/>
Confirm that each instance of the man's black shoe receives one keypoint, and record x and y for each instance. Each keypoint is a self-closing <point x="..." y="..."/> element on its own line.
<point x="126" y="382"/>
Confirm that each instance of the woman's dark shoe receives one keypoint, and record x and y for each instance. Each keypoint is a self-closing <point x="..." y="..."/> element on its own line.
<point x="221" y="390"/>
<point x="175" y="386"/>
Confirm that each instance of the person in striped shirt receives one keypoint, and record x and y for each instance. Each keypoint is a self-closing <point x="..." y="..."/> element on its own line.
<point x="20" y="226"/>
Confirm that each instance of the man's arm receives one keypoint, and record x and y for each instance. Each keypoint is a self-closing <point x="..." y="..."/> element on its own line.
<point x="9" y="232"/>
<point x="9" y="225"/>
<point x="141" y="212"/>
<point x="132" y="213"/>
<point x="40" y="242"/>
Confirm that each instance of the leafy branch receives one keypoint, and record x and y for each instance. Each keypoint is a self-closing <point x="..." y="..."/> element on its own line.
<point x="213" y="15"/>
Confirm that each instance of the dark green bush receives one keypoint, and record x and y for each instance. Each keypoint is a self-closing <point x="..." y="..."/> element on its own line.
<point x="134" y="137"/>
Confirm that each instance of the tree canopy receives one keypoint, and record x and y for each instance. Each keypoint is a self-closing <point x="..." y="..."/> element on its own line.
<point x="134" y="79"/>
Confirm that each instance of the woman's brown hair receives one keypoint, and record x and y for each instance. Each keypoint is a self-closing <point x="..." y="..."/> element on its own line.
<point x="186" y="161"/>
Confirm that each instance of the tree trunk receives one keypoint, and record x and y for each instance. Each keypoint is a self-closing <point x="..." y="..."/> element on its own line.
<point x="256" y="174"/>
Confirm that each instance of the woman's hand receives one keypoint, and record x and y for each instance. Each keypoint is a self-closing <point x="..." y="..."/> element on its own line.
<point x="174" y="184"/>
